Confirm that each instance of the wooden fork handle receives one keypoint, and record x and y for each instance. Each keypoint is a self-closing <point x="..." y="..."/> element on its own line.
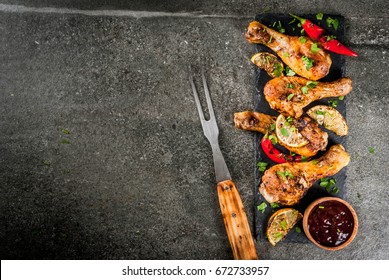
<point x="235" y="220"/>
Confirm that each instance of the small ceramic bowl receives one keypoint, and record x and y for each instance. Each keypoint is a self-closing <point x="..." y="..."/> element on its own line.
<point x="330" y="223"/>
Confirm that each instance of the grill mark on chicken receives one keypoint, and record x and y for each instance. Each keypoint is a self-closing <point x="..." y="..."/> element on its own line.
<point x="276" y="92"/>
<point x="291" y="50"/>
<point x="289" y="189"/>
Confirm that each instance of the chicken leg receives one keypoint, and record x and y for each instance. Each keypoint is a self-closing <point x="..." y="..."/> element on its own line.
<point x="287" y="183"/>
<point x="293" y="50"/>
<point x="289" y="95"/>
<point x="309" y="129"/>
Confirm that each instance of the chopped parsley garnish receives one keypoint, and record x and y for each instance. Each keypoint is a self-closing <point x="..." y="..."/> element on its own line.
<point x="335" y="190"/>
<point x="262" y="166"/>
<point x="290" y="96"/>
<point x="315" y="161"/>
<point x="272" y="127"/>
<point x="261" y="207"/>
<point x="290" y="86"/>
<point x="332" y="22"/>
<point x="321" y="207"/>
<point x="318" y="112"/>
<point x="286" y="54"/>
<point x="283" y="225"/>
<point x="277" y="70"/>
<point x="308" y="62"/>
<point x="333" y="103"/>
<point x="371" y="150"/>
<point x="271" y="38"/>
<point x="65" y="141"/>
<point x="285" y="174"/>
<point x="315" y="48"/>
<point x="65" y="131"/>
<point x="341" y="97"/>
<point x="304" y="158"/>
<point x="309" y="84"/>
<point x="298" y="229"/>
<point x="280" y="28"/>
<point x="289" y="72"/>
<point x="289" y="119"/>
<point x="274" y="205"/>
<point x="330" y="37"/>
<point x="302" y="39"/>
<point x="319" y="16"/>
<point x="284" y="132"/>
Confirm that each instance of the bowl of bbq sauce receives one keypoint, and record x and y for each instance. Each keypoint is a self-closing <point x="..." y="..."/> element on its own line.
<point x="330" y="223"/>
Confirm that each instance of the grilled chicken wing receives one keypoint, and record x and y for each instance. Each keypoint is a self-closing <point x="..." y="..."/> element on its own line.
<point x="296" y="54"/>
<point x="287" y="183"/>
<point x="289" y="95"/>
<point x="309" y="129"/>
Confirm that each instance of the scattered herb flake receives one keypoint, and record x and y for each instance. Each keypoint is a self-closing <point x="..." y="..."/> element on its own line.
<point x="261" y="207"/>
<point x="271" y="38"/>
<point x="315" y="161"/>
<point x="289" y="72"/>
<point x="308" y="62"/>
<point x="283" y="225"/>
<point x="319" y="16"/>
<point x="272" y="127"/>
<point x="290" y="96"/>
<point x="332" y="22"/>
<point x="278" y="69"/>
<point x="341" y="97"/>
<point x="280" y="28"/>
<point x="274" y="205"/>
<point x="284" y="132"/>
<point x="298" y="229"/>
<point x="302" y="39"/>
<point x="273" y="139"/>
<point x="335" y="190"/>
<point x="304" y="90"/>
<point x="289" y="119"/>
<point x="286" y="54"/>
<point x="46" y="162"/>
<point x="304" y="159"/>
<point x="321" y="207"/>
<point x="65" y="131"/>
<point x="65" y="141"/>
<point x="318" y="112"/>
<point x="333" y="103"/>
<point x="311" y="84"/>
<point x="315" y="48"/>
<point x="262" y="166"/>
<point x="290" y="86"/>
<point x="371" y="150"/>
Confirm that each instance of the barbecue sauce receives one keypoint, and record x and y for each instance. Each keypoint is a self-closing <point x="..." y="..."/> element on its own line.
<point x="331" y="223"/>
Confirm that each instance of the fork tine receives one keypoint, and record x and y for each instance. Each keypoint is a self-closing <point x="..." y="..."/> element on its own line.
<point x="196" y="96"/>
<point x="207" y="96"/>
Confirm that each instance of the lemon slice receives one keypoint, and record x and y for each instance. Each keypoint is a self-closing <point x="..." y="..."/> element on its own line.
<point x="280" y="223"/>
<point x="288" y="134"/>
<point x="268" y="62"/>
<point x="330" y="118"/>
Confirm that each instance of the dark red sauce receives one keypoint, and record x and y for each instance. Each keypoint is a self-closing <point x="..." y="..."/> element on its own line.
<point x="330" y="223"/>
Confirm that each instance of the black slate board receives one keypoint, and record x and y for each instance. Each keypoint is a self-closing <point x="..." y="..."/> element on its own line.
<point x="261" y="105"/>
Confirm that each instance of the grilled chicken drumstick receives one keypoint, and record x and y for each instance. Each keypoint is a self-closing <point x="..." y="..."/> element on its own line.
<point x="295" y="52"/>
<point x="287" y="183"/>
<point x="309" y="129"/>
<point x="289" y="95"/>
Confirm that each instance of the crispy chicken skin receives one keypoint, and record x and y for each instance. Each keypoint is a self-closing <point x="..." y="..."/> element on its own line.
<point x="287" y="183"/>
<point x="278" y="90"/>
<point x="291" y="50"/>
<point x="255" y="121"/>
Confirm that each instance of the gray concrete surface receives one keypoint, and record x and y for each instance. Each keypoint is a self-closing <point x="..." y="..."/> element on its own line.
<point x="134" y="178"/>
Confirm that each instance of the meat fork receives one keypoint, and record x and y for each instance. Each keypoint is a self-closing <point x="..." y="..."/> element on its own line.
<point x="234" y="215"/>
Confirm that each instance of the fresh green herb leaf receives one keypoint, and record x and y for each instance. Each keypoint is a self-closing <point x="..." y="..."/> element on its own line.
<point x="304" y="158"/>
<point x="302" y="39"/>
<point x="289" y="72"/>
<point x="297" y="229"/>
<point x="290" y="86"/>
<point x="261" y="207"/>
<point x="290" y="96"/>
<point x="273" y="139"/>
<point x="318" y="112"/>
<point x="271" y="38"/>
<point x="333" y="103"/>
<point x="321" y="207"/>
<point x="371" y="150"/>
<point x="315" y="48"/>
<point x="289" y="119"/>
<point x="65" y="141"/>
<point x="292" y="21"/>
<point x="283" y="225"/>
<point x="332" y="22"/>
<point x="332" y="182"/>
<point x="330" y="37"/>
<point x="290" y="175"/>
<point x="278" y="235"/>
<point x="262" y="166"/>
<point x="319" y="16"/>
<point x="284" y="132"/>
<point x="286" y="54"/>
<point x="335" y="190"/>
<point x="277" y="69"/>
<point x="280" y="28"/>
<point x="324" y="184"/>
<point x="304" y="89"/>
<point x="308" y="62"/>
<point x="315" y="161"/>
<point x="274" y="205"/>
<point x="311" y="84"/>
<point x="272" y="127"/>
<point x="282" y="174"/>
<point x="341" y="97"/>
<point x="65" y="131"/>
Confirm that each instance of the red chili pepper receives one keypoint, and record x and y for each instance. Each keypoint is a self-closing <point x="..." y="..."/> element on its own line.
<point x="316" y="32"/>
<point x="335" y="46"/>
<point x="275" y="155"/>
